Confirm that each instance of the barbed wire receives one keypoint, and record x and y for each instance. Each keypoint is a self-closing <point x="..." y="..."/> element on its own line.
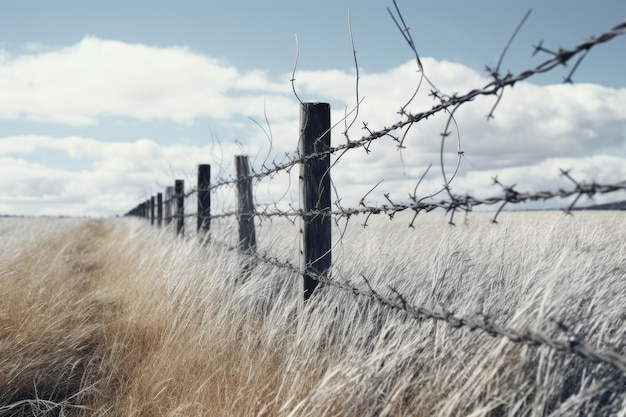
<point x="466" y="202"/>
<point x="394" y="300"/>
<point x="459" y="203"/>
<point x="190" y="192"/>
<point x="574" y="344"/>
<point x="446" y="103"/>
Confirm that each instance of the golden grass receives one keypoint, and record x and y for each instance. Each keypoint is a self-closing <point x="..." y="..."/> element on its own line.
<point x="86" y="324"/>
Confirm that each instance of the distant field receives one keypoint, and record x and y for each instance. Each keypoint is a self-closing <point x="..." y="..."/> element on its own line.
<point x="115" y="318"/>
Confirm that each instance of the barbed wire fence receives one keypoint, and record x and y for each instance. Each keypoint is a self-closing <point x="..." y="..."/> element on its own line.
<point x="316" y="211"/>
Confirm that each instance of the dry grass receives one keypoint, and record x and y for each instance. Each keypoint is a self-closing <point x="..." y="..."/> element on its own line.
<point x="112" y="318"/>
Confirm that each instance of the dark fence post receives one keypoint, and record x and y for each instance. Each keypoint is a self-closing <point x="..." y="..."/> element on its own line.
<point x="245" y="205"/>
<point x="159" y="209"/>
<point x="315" y="193"/>
<point x="204" y="199"/>
<point x="179" y="190"/>
<point x="169" y="196"/>
<point x="152" y="211"/>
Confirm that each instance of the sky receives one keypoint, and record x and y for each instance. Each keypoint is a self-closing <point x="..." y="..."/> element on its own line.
<point x="103" y="104"/>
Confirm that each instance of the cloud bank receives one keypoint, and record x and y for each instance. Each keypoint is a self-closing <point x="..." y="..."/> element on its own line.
<point x="536" y="130"/>
<point x="79" y="84"/>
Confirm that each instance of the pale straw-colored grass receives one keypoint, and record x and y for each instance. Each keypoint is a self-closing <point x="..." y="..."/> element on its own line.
<point x="114" y="318"/>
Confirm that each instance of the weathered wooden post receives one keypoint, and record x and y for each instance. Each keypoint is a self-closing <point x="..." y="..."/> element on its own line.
<point x="315" y="193"/>
<point x="169" y="196"/>
<point x="159" y="209"/>
<point x="179" y="190"/>
<point x="204" y="199"/>
<point x="245" y="205"/>
<point x="152" y="211"/>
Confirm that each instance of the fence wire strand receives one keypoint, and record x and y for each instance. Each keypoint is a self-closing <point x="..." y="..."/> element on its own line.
<point x="392" y="299"/>
<point x="499" y="83"/>
<point x="447" y="103"/>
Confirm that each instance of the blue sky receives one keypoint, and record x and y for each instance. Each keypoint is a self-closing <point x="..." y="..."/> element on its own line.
<point x="102" y="104"/>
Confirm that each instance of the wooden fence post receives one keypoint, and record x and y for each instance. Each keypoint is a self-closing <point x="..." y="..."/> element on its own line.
<point x="152" y="211"/>
<point x="315" y="193"/>
<point x="245" y="205"/>
<point x="204" y="199"/>
<point x="146" y="209"/>
<point x="169" y="196"/>
<point x="179" y="190"/>
<point x="159" y="209"/>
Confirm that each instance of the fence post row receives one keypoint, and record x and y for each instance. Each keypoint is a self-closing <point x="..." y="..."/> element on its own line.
<point x="159" y="209"/>
<point x="169" y="195"/>
<point x="245" y="205"/>
<point x="179" y="190"/>
<point x="315" y="193"/>
<point x="204" y="199"/>
<point x="152" y="211"/>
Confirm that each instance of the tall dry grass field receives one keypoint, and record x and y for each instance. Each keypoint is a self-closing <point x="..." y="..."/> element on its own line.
<point x="115" y="318"/>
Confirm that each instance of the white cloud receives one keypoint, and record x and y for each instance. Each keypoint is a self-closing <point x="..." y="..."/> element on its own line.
<point x="541" y="122"/>
<point x="79" y="84"/>
<point x="118" y="174"/>
<point x="23" y="181"/>
<point x="536" y="130"/>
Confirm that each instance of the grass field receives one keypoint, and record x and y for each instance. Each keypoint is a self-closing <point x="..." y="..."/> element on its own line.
<point x="115" y="318"/>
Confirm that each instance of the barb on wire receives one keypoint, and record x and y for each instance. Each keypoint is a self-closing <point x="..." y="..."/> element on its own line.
<point x="568" y="77"/>
<point x="406" y="34"/>
<point x="413" y="197"/>
<point x="495" y="72"/>
<point x="583" y="190"/>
